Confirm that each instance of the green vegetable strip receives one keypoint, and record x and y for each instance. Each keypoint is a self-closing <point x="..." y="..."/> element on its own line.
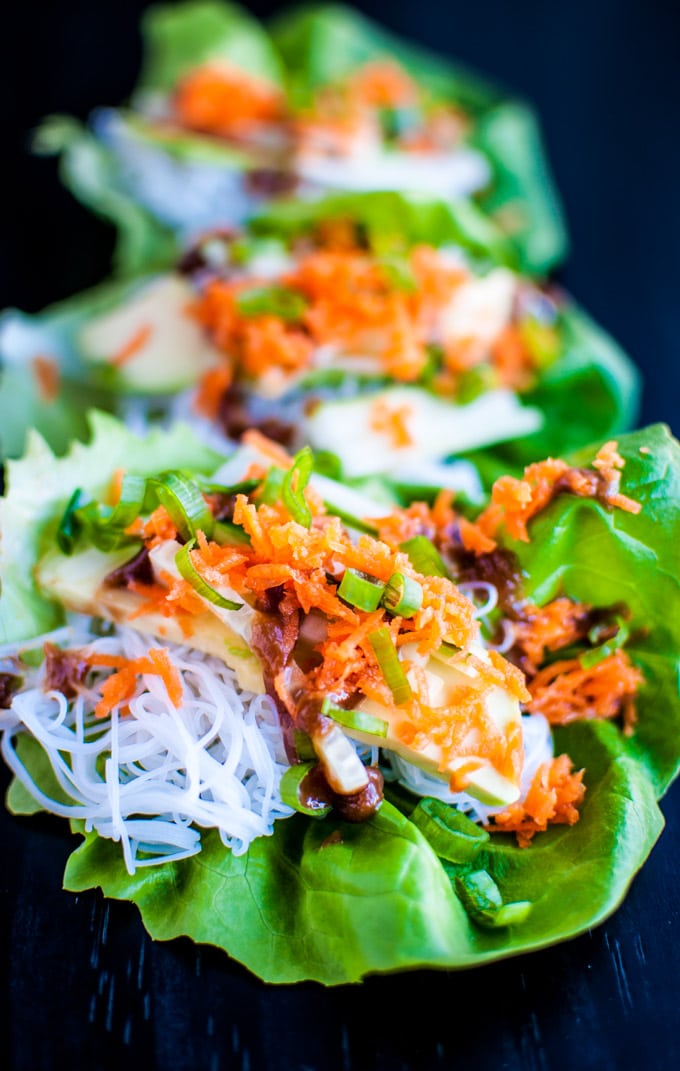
<point x="483" y="902"/>
<point x="355" y="719"/>
<point x="293" y="487"/>
<point x="360" y="591"/>
<point x="453" y="835"/>
<point x="425" y="558"/>
<point x="244" y="487"/>
<point x="184" y="502"/>
<point x="230" y="535"/>
<point x="191" y="574"/>
<point x="403" y="596"/>
<point x="276" y="301"/>
<point x="390" y="666"/>
<point x="69" y="527"/>
<point x="350" y="520"/>
<point x="591" y="658"/>
<point x="291" y="784"/>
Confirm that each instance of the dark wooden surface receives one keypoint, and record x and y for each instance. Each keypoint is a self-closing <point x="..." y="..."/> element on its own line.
<point x="82" y="984"/>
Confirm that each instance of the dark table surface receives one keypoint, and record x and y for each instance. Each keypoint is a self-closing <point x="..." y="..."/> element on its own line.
<point x="83" y="984"/>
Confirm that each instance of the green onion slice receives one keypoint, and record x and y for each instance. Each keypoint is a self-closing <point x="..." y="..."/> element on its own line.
<point x="591" y="658"/>
<point x="243" y="487"/>
<point x="350" y="520"/>
<point x="453" y="835"/>
<point x="293" y="795"/>
<point x="355" y="719"/>
<point x="190" y="573"/>
<point x="270" y="488"/>
<point x="229" y="535"/>
<point x="69" y="525"/>
<point x="483" y="902"/>
<point x="293" y="487"/>
<point x="276" y="301"/>
<point x="361" y="591"/>
<point x="403" y="596"/>
<point x="184" y="502"/>
<point x="424" y="558"/>
<point x="390" y="666"/>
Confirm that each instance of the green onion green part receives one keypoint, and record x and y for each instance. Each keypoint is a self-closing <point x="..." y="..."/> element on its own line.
<point x="350" y="520"/>
<point x="483" y="902"/>
<point x="403" y="596"/>
<point x="69" y="525"/>
<point x="184" y="502"/>
<point x="293" y="487"/>
<point x="453" y="835"/>
<point x="190" y="573"/>
<point x="276" y="301"/>
<point x="361" y="591"/>
<point x="292" y="795"/>
<point x="355" y="719"/>
<point x="230" y="535"/>
<point x="390" y="666"/>
<point x="591" y="658"/>
<point x="424" y="558"/>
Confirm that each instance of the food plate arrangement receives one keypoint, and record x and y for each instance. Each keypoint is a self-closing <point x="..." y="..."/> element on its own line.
<point x="344" y="639"/>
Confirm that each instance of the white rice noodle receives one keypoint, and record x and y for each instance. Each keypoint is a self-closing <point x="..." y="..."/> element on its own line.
<point x="216" y="762"/>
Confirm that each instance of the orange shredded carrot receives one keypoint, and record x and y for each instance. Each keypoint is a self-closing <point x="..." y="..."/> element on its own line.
<point x="226" y="101"/>
<point x="133" y="345"/>
<point x="553" y="626"/>
<point x="553" y="799"/>
<point x="121" y="685"/>
<point x="211" y="389"/>
<point x="512" y="360"/>
<point x="392" y="421"/>
<point x="383" y="84"/>
<point x="271" y="450"/>
<point x="565" y="691"/>
<point x="116" y="486"/>
<point x="46" y="374"/>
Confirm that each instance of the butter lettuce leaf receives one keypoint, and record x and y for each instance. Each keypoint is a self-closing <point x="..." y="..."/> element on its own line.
<point x="601" y="556"/>
<point x="38" y="487"/>
<point x="333" y="902"/>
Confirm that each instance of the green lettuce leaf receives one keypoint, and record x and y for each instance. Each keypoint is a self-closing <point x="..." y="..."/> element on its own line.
<point x="38" y="487"/>
<point x="332" y="902"/>
<point x="180" y="37"/>
<point x="321" y="44"/>
<point x="392" y="217"/>
<point x="601" y="557"/>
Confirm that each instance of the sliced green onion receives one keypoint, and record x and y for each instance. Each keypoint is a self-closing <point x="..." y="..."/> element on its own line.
<point x="276" y="301"/>
<point x="403" y="596"/>
<point x="591" y="658"/>
<point x="104" y="526"/>
<point x="304" y="748"/>
<point x="184" y="502"/>
<point x="190" y="573"/>
<point x="453" y="835"/>
<point x="327" y="464"/>
<point x="390" y="666"/>
<point x="270" y="488"/>
<point x="424" y="558"/>
<point x="291" y="789"/>
<point x="350" y="520"/>
<point x="243" y="487"/>
<point x="361" y="591"/>
<point x="398" y="272"/>
<point x="69" y="525"/>
<point x="355" y="719"/>
<point x="293" y="487"/>
<point x="229" y="535"/>
<point x="483" y="902"/>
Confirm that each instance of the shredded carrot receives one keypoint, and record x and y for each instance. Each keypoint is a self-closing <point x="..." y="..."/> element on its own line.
<point x="392" y="421"/>
<point x="512" y="360"/>
<point x="514" y="502"/>
<point x="46" y="374"/>
<point x="383" y="84"/>
<point x="120" y="686"/>
<point x="553" y="799"/>
<point x="116" y="486"/>
<point x="565" y="691"/>
<point x="555" y="625"/>
<point x="133" y="345"/>
<point x="211" y="390"/>
<point x="271" y="450"/>
<point x="226" y="101"/>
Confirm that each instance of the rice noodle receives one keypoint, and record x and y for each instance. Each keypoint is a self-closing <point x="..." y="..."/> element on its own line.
<point x="216" y="762"/>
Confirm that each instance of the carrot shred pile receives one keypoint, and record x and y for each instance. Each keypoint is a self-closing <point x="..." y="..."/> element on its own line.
<point x="515" y="502"/>
<point x="47" y="377"/>
<point x="133" y="346"/>
<point x="553" y="799"/>
<point x="226" y="101"/>
<point x="121" y="685"/>
<point x="392" y="421"/>
<point x="553" y="626"/>
<point x="566" y="691"/>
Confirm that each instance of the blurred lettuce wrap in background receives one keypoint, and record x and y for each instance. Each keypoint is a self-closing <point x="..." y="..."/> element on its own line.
<point x="332" y="901"/>
<point x="226" y="117"/>
<point x="448" y="353"/>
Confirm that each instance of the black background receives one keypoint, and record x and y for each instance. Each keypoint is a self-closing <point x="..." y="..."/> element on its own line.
<point x="84" y="986"/>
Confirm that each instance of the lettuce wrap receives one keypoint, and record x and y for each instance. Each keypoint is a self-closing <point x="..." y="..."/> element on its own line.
<point x="449" y="352"/>
<point x="333" y="900"/>
<point x="227" y="117"/>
